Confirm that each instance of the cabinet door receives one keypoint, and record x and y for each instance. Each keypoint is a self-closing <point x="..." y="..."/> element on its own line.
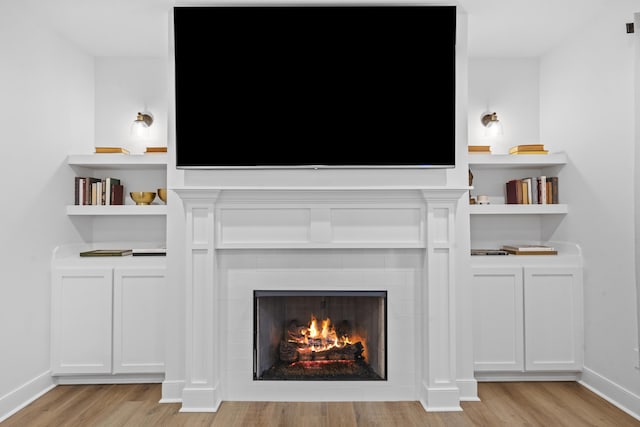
<point x="81" y="321"/>
<point x="138" y="344"/>
<point x="498" y="319"/>
<point x="553" y="318"/>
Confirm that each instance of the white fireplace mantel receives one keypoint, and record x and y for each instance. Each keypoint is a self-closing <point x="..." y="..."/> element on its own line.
<point x="422" y="218"/>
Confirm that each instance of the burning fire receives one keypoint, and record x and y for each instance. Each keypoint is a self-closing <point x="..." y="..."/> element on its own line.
<point x="315" y="338"/>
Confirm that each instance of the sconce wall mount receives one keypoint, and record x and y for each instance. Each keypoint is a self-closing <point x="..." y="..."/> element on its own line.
<point x="144" y="118"/>
<point x="491" y="123"/>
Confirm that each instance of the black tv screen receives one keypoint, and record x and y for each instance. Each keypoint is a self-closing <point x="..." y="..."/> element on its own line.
<point x="315" y="86"/>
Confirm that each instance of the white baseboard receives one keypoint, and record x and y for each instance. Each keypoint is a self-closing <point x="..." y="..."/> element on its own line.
<point x="468" y="390"/>
<point x="17" y="399"/>
<point x="172" y="391"/>
<point x="612" y="392"/>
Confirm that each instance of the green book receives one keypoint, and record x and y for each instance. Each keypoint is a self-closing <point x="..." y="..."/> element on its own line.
<point x="107" y="252"/>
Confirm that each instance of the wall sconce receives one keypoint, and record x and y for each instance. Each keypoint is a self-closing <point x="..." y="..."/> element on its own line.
<point x="140" y="126"/>
<point x="492" y="125"/>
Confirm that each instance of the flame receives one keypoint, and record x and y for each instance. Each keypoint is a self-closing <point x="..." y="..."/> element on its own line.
<point x="323" y="338"/>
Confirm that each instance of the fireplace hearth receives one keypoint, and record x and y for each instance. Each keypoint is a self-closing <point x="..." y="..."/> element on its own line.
<point x="343" y="336"/>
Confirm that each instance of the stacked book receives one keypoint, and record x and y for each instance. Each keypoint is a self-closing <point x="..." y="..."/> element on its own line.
<point x="528" y="149"/>
<point x="156" y="150"/>
<point x="98" y="191"/>
<point x="542" y="190"/>
<point x="482" y="149"/>
<point x="111" y="150"/>
<point x="530" y="249"/>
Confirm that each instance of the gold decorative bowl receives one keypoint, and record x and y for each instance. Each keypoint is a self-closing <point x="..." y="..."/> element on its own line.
<point x="142" y="197"/>
<point x="162" y="193"/>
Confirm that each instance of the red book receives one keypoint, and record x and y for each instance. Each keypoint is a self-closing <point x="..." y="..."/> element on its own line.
<point x="117" y="194"/>
<point x="514" y="192"/>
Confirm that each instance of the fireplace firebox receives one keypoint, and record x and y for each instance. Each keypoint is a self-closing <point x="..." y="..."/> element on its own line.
<point x="320" y="335"/>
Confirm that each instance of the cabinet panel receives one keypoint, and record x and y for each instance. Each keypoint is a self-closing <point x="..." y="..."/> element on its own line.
<point x="138" y="344"/>
<point x="81" y="321"/>
<point x="553" y="318"/>
<point x="498" y="319"/>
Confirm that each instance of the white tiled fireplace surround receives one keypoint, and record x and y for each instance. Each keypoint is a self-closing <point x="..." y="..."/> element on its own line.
<point x="401" y="241"/>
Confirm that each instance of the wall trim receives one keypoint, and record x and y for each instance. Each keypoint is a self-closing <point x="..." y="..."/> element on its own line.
<point x="614" y="393"/>
<point x="22" y="396"/>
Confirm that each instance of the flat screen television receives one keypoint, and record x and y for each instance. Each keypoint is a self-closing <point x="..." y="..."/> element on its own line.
<point x="315" y="86"/>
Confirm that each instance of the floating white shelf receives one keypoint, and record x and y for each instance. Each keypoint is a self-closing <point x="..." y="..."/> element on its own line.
<point x="504" y="209"/>
<point x="117" y="210"/>
<point x="493" y="161"/>
<point x="119" y="161"/>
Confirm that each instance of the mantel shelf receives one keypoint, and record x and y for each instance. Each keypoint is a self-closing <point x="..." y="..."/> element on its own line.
<point x="89" y="210"/>
<point x="513" y="209"/>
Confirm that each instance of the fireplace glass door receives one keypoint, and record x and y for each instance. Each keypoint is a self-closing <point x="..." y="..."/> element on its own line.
<point x="319" y="335"/>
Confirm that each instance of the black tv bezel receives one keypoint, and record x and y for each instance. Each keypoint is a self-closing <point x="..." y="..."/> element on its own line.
<point x="450" y="148"/>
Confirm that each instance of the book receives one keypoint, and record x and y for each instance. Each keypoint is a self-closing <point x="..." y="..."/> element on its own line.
<point x="530" y="193"/>
<point x="514" y="192"/>
<point x="108" y="191"/>
<point x="117" y="194"/>
<point x="156" y="150"/>
<point x="528" y="248"/>
<point x="530" y="152"/>
<point x="88" y="182"/>
<point x="82" y="198"/>
<point x="554" y="190"/>
<point x="526" y="147"/>
<point x="480" y="149"/>
<point x="77" y="197"/>
<point x="542" y="189"/>
<point x="112" y="150"/>
<point x="489" y="252"/>
<point x="106" y="252"/>
<point x="149" y="252"/>
<point x="514" y="252"/>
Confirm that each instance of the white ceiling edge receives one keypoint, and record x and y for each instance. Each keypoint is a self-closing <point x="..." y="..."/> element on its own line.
<point x="496" y="28"/>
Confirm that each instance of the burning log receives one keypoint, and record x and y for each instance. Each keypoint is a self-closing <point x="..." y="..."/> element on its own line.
<point x="288" y="351"/>
<point x="348" y="352"/>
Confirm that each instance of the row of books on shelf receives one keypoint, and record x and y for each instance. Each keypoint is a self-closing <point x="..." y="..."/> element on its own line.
<point x="542" y="190"/>
<point x="98" y="191"/>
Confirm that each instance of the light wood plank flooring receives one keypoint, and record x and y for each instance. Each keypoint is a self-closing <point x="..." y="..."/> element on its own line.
<point x="548" y="404"/>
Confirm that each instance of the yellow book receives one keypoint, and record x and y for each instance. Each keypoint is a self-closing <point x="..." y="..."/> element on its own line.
<point x="479" y="148"/>
<point x="527" y="147"/>
<point x="156" y="150"/>
<point x="112" y="150"/>
<point x="530" y="152"/>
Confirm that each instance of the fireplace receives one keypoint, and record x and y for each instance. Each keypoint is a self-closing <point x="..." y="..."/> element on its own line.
<point x="392" y="251"/>
<point x="320" y="335"/>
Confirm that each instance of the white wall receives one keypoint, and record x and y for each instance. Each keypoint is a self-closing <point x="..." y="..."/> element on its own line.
<point x="46" y="111"/>
<point x="587" y="107"/>
<point x="510" y="88"/>
<point x="125" y="86"/>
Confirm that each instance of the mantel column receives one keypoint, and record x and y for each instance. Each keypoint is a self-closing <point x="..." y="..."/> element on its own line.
<point x="439" y="391"/>
<point x="201" y="392"/>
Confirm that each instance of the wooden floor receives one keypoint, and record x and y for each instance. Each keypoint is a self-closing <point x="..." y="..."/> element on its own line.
<point x="549" y="404"/>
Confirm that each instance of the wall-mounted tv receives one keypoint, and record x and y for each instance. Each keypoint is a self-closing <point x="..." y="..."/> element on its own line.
<point x="315" y="86"/>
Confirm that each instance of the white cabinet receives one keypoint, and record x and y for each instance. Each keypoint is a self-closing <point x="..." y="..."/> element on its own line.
<point x="553" y="318"/>
<point x="107" y="319"/>
<point x="498" y="319"/>
<point x="81" y="321"/>
<point x="527" y="317"/>
<point x="138" y="331"/>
